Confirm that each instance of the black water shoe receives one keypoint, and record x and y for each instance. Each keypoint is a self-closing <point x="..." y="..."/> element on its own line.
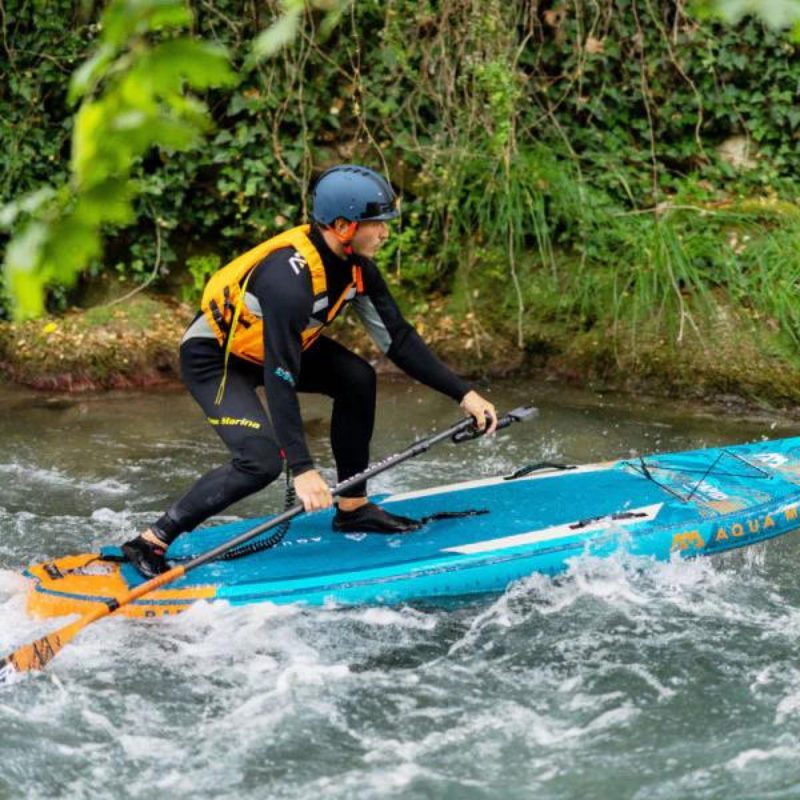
<point x="370" y="518"/>
<point x="146" y="556"/>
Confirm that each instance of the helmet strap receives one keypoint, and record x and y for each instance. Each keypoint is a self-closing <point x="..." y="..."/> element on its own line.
<point x="346" y="237"/>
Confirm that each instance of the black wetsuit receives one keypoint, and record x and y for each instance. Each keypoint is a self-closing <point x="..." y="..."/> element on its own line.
<point x="258" y="445"/>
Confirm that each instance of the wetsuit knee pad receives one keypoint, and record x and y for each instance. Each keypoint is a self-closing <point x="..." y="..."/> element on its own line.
<point x="260" y="458"/>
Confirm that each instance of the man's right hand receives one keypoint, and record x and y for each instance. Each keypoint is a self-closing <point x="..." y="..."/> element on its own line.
<point x="313" y="492"/>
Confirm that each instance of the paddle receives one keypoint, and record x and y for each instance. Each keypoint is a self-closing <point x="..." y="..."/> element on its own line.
<point x="36" y="655"/>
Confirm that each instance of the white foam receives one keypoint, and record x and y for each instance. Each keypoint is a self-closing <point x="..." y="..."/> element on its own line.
<point x="388" y="617"/>
<point x="12" y="582"/>
<point x="782" y="752"/>
<point x="57" y="478"/>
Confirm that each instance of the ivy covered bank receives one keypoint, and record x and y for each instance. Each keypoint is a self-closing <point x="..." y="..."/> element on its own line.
<point x="601" y="190"/>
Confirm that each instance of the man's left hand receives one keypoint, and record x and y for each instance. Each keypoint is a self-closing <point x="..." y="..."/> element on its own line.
<point x="481" y="410"/>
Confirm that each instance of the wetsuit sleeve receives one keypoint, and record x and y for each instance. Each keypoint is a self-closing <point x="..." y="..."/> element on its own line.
<point x="285" y="296"/>
<point x="396" y="337"/>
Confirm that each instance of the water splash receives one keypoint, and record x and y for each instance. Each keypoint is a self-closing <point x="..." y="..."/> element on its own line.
<point x="621" y="678"/>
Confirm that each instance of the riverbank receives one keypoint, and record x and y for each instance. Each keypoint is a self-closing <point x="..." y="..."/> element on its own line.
<point x="728" y="359"/>
<point x="128" y="345"/>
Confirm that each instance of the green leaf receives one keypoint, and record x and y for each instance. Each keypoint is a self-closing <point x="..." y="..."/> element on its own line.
<point x="200" y="64"/>
<point x="27" y="204"/>
<point x="22" y="262"/>
<point x="335" y="12"/>
<point x="88" y="121"/>
<point x="169" y="14"/>
<point x="107" y="202"/>
<point x="279" y="34"/>
<point x="125" y="18"/>
<point x="84" y="78"/>
<point x="775" y="13"/>
<point x="72" y="243"/>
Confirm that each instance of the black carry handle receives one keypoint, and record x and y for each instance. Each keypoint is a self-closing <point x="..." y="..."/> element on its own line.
<point x="521" y="414"/>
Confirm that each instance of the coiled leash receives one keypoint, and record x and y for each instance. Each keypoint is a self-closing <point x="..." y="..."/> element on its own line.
<point x="275" y="539"/>
<point x="259" y="545"/>
<point x="466" y="432"/>
<point x="35" y="655"/>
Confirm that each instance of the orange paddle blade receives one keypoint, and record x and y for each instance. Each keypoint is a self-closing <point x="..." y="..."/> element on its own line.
<point x="38" y="654"/>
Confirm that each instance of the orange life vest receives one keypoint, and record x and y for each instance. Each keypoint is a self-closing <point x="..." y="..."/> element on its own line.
<point x="238" y="329"/>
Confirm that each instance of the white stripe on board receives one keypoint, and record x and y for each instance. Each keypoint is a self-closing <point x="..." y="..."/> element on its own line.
<point x="536" y="476"/>
<point x="557" y="532"/>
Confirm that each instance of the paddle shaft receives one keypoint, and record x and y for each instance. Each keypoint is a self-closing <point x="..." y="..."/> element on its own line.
<point x="36" y="655"/>
<point x="414" y="450"/>
<point x="455" y="432"/>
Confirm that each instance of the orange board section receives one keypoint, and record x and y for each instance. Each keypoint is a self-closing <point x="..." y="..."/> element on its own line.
<point x="77" y="584"/>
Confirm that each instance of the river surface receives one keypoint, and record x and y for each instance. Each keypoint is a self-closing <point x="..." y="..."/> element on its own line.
<point x="620" y="679"/>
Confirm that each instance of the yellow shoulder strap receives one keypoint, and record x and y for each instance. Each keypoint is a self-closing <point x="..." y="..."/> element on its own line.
<point x="300" y="241"/>
<point x="229" y="342"/>
<point x="297" y="238"/>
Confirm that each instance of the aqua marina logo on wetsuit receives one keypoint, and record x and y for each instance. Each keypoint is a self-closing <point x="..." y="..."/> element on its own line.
<point x="284" y="375"/>
<point x="241" y="421"/>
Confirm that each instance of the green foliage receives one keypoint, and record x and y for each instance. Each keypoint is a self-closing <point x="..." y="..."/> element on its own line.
<point x="133" y="93"/>
<point x="42" y="47"/>
<point x="763" y="276"/>
<point x="676" y="274"/>
<point x="569" y="153"/>
<point x="200" y="268"/>
<point x="775" y="13"/>
<point x="653" y="95"/>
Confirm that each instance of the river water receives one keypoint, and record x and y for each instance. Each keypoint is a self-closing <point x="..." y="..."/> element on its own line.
<point x="621" y="679"/>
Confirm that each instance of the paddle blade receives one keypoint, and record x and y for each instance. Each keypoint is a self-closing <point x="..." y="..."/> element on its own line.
<point x="36" y="655"/>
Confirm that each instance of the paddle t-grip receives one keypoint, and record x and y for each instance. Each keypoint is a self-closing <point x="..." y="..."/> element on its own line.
<point x="521" y="414"/>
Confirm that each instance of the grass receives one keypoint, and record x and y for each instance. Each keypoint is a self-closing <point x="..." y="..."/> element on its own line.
<point x="702" y="295"/>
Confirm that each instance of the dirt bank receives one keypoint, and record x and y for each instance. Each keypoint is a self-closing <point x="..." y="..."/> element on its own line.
<point x="730" y="359"/>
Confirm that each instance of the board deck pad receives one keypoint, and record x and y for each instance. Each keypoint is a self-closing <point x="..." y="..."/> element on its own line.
<point x="691" y="503"/>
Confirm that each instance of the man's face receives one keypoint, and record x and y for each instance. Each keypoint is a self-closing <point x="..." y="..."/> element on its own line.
<point x="369" y="237"/>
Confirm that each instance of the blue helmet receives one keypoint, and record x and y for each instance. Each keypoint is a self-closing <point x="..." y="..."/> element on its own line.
<point x="353" y="193"/>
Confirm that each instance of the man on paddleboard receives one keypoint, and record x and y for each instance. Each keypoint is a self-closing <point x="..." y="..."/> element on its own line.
<point x="261" y="322"/>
